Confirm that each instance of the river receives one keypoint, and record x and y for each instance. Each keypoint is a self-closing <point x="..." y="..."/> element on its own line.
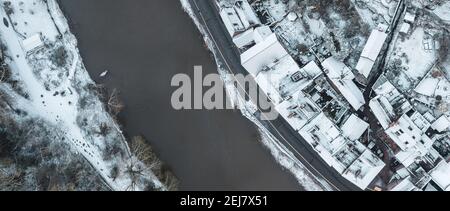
<point x="143" y="44"/>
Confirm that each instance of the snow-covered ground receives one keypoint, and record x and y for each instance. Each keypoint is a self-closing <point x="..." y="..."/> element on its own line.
<point x="59" y="90"/>
<point x="443" y="12"/>
<point x="283" y="156"/>
<point x="376" y="12"/>
<point x="415" y="56"/>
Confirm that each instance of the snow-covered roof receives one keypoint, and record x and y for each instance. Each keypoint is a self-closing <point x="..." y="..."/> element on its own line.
<point x="292" y="16"/>
<point x="350" y="158"/>
<point x="383" y="86"/>
<point x="276" y="80"/>
<point x="269" y="87"/>
<point x="262" y="54"/>
<point x="405" y="133"/>
<point x="261" y="33"/>
<point x="441" y="175"/>
<point x="312" y="69"/>
<point x="382" y="105"/>
<point x="402" y="172"/>
<point x="32" y="43"/>
<point x="322" y="131"/>
<point x="250" y="36"/>
<point x="239" y="17"/>
<point x="348" y="154"/>
<point x="441" y="124"/>
<point x="337" y="70"/>
<point x="364" y="66"/>
<point x="354" y="127"/>
<point x="407" y="157"/>
<point x="420" y="121"/>
<point x="433" y="86"/>
<point x="427" y="86"/>
<point x="382" y="110"/>
<point x="408" y="132"/>
<point x="298" y="110"/>
<point x="429" y="117"/>
<point x="364" y="169"/>
<point x="405" y="28"/>
<point x="247" y="11"/>
<point x="405" y="185"/>
<point x="306" y="76"/>
<point x="232" y="21"/>
<point x="371" y="51"/>
<point x="409" y="17"/>
<point x="342" y="77"/>
<point x="245" y="38"/>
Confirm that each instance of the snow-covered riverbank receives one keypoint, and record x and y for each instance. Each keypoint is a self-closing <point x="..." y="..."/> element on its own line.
<point x="58" y="90"/>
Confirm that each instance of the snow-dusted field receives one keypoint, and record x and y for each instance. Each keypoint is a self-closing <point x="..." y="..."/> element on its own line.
<point x="60" y="91"/>
<point x="415" y="60"/>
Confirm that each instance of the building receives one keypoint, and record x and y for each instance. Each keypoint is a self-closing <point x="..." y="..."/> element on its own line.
<point x="420" y="138"/>
<point x="32" y="43"/>
<point x="372" y="50"/>
<point x="389" y="104"/>
<point x="442" y="124"/>
<point x="276" y="75"/>
<point x="364" y="169"/>
<point x="350" y="158"/>
<point x="434" y="84"/>
<point x="354" y="127"/>
<point x="440" y="175"/>
<point x="409" y="18"/>
<point x="296" y="108"/>
<point x="252" y="36"/>
<point x="242" y="24"/>
<point x="409" y="133"/>
<point x="405" y="28"/>
<point x="283" y="78"/>
<point x="405" y="185"/>
<point x="407" y="128"/>
<point x="338" y="146"/>
<point x="238" y="17"/>
<point x="261" y="55"/>
<point x="342" y="78"/>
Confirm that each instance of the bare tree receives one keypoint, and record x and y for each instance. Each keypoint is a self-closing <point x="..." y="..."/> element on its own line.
<point x="135" y="171"/>
<point x="103" y="129"/>
<point x="144" y="152"/>
<point x="115" y="105"/>
<point x="10" y="180"/>
<point x="5" y="73"/>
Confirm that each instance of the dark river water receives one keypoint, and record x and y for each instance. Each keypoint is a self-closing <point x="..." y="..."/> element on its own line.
<point x="143" y="43"/>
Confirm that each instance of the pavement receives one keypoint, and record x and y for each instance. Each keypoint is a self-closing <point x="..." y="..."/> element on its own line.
<point x="208" y="16"/>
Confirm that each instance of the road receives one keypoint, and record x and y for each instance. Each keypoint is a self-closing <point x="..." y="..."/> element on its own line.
<point x="208" y="16"/>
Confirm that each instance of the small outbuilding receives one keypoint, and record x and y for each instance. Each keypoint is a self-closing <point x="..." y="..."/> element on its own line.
<point x="32" y="43"/>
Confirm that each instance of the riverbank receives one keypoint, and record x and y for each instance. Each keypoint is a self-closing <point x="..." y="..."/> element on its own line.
<point x="57" y="91"/>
